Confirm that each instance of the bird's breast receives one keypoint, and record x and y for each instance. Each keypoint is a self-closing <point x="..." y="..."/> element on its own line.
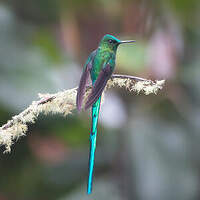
<point x="98" y="63"/>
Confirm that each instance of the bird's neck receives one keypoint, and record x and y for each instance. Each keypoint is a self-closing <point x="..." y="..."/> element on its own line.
<point x="103" y="50"/>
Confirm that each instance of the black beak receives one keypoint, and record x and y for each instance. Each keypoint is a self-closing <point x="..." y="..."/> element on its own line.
<point x="127" y="41"/>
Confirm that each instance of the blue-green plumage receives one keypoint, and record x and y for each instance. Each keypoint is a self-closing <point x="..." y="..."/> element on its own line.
<point x="100" y="65"/>
<point x="93" y="135"/>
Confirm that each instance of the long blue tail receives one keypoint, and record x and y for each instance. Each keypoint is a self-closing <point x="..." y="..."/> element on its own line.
<point x="93" y="135"/>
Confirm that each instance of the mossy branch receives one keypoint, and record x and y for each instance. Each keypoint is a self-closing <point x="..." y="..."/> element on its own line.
<point x="64" y="102"/>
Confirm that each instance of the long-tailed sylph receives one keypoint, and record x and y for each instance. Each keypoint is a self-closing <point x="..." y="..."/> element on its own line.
<point x="100" y="66"/>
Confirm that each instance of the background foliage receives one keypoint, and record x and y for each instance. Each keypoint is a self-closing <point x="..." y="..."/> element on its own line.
<point x="148" y="146"/>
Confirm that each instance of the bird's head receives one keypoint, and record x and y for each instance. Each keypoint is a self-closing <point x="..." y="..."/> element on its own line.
<point x="111" y="42"/>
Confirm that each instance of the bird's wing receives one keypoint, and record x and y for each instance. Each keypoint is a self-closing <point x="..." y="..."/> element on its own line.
<point x="84" y="80"/>
<point x="99" y="85"/>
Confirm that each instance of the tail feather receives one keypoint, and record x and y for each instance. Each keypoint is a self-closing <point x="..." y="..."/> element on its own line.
<point x="93" y="135"/>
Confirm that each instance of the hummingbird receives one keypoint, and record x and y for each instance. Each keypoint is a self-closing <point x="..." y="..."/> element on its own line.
<point x="100" y="66"/>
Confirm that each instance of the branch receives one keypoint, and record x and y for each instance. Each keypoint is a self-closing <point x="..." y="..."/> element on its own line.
<point x="64" y="102"/>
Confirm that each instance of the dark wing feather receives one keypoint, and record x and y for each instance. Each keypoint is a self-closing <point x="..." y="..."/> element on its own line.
<point x="99" y="86"/>
<point x="84" y="78"/>
<point x="81" y="88"/>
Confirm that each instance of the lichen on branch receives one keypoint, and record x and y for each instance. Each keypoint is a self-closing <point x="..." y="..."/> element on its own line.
<point x="64" y="102"/>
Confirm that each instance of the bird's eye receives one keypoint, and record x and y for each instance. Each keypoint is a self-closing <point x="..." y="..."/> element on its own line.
<point x="110" y="41"/>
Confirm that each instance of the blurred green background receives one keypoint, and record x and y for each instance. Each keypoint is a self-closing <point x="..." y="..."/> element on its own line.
<point x="148" y="146"/>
